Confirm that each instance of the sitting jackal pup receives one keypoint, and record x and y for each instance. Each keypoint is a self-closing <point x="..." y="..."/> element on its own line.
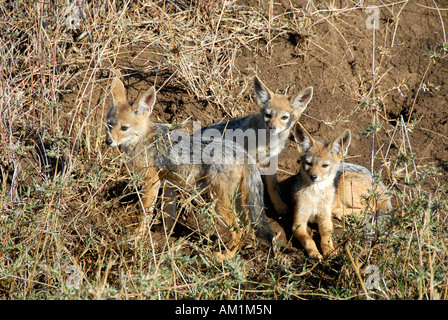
<point x="154" y="148"/>
<point x="325" y="185"/>
<point x="278" y="115"/>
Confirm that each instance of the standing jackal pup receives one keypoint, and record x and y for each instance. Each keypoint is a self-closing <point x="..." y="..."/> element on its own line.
<point x="153" y="148"/>
<point x="325" y="186"/>
<point x="267" y="132"/>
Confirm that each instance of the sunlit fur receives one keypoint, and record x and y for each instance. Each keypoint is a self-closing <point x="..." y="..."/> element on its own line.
<point x="354" y="185"/>
<point x="314" y="191"/>
<point x="150" y="149"/>
<point x="277" y="115"/>
<point x="325" y="185"/>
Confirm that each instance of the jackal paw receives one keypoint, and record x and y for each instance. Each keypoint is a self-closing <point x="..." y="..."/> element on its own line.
<point x="315" y="255"/>
<point x="142" y="230"/>
<point x="328" y="252"/>
<point x="222" y="256"/>
<point x="338" y="215"/>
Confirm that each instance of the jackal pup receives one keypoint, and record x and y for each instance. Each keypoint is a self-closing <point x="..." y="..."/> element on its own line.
<point x="267" y="132"/>
<point x="325" y="185"/>
<point x="353" y="184"/>
<point x="154" y="148"/>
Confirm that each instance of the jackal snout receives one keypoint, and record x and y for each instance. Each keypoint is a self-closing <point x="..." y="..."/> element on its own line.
<point x="109" y="141"/>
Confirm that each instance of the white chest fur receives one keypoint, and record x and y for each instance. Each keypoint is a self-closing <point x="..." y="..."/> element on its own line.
<point x="315" y="201"/>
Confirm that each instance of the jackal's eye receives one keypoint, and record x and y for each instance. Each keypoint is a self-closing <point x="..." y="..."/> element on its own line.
<point x="308" y="163"/>
<point x="268" y="115"/>
<point x="325" y="165"/>
<point x="124" y="128"/>
<point x="285" y="117"/>
<point x="108" y="126"/>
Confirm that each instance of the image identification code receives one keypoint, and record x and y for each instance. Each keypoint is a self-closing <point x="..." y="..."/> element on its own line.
<point x="237" y="309"/>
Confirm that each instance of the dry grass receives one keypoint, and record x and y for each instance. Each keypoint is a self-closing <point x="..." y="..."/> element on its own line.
<point x="67" y="200"/>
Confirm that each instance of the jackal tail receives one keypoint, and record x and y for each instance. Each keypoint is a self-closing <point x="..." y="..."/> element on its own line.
<point x="253" y="199"/>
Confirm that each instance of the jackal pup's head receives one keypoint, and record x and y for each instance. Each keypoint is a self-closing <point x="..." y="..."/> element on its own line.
<point x="280" y="112"/>
<point x="319" y="160"/>
<point x="125" y="126"/>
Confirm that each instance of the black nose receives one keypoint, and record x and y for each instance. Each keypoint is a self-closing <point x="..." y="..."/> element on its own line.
<point x="108" y="141"/>
<point x="313" y="177"/>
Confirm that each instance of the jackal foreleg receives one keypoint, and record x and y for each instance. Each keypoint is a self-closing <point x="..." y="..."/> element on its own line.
<point x="149" y="197"/>
<point x="274" y="194"/>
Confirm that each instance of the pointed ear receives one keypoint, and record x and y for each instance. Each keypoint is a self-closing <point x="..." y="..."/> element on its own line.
<point x="341" y="143"/>
<point x="146" y="103"/>
<point x="118" y="91"/>
<point x="301" y="100"/>
<point x="303" y="138"/>
<point x="262" y="93"/>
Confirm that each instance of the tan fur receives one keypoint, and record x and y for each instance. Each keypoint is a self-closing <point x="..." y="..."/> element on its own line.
<point x="352" y="195"/>
<point x="278" y="113"/>
<point x="283" y="110"/>
<point x="314" y="191"/>
<point x="146" y="143"/>
<point x="316" y="196"/>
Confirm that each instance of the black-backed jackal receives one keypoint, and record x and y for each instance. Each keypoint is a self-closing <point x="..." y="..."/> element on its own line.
<point x="324" y="186"/>
<point x="222" y="169"/>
